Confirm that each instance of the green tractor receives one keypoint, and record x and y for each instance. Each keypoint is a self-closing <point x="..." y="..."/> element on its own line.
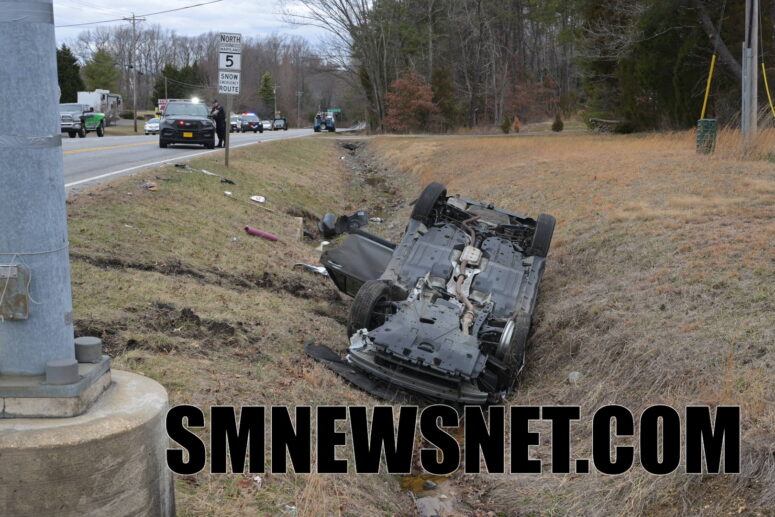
<point x="79" y="119"/>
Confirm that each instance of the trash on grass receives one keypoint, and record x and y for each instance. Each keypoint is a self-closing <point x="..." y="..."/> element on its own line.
<point x="208" y="173"/>
<point x="376" y="220"/>
<point x="227" y="193"/>
<point x="258" y="199"/>
<point x="322" y="245"/>
<point x="290" y="510"/>
<point x="260" y="233"/>
<point x="150" y="186"/>
<point x="320" y="270"/>
<point x="259" y="480"/>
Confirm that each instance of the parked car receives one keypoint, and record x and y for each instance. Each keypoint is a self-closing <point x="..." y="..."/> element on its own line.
<point x="235" y="124"/>
<point x="280" y="124"/>
<point x="186" y="122"/>
<point x="152" y="126"/>
<point x="267" y="125"/>
<point x="80" y="119"/>
<point x="445" y="312"/>
<point x="251" y="122"/>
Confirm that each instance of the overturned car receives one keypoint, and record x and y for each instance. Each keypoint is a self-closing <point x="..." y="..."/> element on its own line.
<point x="445" y="312"/>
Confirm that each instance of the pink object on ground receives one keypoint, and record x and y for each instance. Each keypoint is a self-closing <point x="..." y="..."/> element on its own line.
<point x="255" y="231"/>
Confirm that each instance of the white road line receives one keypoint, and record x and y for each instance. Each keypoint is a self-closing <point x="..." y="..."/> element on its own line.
<point x="179" y="158"/>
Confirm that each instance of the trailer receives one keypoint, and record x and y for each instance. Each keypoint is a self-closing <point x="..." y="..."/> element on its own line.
<point x="103" y="102"/>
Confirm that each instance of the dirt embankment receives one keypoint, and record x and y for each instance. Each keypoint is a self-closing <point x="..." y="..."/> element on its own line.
<point x="660" y="289"/>
<point x="178" y="292"/>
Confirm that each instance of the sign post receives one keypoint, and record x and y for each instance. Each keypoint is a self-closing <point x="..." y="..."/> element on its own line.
<point x="229" y="66"/>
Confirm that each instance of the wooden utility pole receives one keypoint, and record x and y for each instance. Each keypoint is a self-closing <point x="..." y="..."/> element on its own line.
<point x="750" y="107"/>
<point x="133" y="65"/>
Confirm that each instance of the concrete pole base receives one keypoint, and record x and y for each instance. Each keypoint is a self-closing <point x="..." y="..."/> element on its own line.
<point x="111" y="460"/>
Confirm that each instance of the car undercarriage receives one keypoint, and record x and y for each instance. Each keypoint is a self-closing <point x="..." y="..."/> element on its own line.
<point x="446" y="312"/>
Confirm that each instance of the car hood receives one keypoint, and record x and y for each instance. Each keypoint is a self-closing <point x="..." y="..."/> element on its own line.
<point x="189" y="118"/>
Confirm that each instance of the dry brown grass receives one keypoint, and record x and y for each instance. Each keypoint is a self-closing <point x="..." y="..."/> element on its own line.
<point x="216" y="321"/>
<point x="659" y="289"/>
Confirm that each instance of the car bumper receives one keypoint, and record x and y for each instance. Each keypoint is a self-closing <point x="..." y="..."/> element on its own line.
<point x="458" y="391"/>
<point x="197" y="137"/>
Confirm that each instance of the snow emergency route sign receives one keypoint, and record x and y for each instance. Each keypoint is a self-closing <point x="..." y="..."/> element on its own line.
<point x="228" y="82"/>
<point x="229" y="63"/>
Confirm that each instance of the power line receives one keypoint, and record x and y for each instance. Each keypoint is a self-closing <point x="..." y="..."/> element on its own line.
<point x="139" y="15"/>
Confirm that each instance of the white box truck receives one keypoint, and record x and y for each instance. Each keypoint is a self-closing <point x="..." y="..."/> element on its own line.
<point x="103" y="102"/>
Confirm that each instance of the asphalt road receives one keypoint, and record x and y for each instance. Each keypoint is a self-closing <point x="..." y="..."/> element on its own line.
<point x="90" y="160"/>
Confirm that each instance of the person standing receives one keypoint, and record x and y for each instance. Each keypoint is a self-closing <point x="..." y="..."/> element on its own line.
<point x="219" y="115"/>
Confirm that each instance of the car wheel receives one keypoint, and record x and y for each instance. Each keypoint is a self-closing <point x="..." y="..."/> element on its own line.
<point x="428" y="202"/>
<point x="371" y="307"/>
<point x="71" y="134"/>
<point x="82" y="133"/>
<point x="210" y="145"/>
<point x="100" y="130"/>
<point x="542" y="237"/>
<point x="162" y="143"/>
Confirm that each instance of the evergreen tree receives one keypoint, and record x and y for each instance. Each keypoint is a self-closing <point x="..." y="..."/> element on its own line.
<point x="444" y="96"/>
<point x="69" y="72"/>
<point x="266" y="92"/>
<point x="101" y="72"/>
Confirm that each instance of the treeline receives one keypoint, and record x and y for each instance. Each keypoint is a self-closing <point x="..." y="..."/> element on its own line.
<point x="175" y="66"/>
<point x="644" y="62"/>
<point x="483" y="59"/>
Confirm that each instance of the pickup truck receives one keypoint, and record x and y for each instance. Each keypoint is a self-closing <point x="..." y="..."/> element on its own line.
<point x="79" y="119"/>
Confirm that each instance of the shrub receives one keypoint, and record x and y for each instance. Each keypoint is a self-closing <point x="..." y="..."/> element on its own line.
<point x="506" y="124"/>
<point x="515" y="124"/>
<point x="126" y="115"/>
<point x="557" y="125"/>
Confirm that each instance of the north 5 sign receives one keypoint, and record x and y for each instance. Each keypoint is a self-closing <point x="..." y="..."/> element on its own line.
<point x="230" y="61"/>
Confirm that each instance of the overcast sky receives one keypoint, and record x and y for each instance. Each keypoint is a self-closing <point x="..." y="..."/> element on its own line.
<point x="250" y="17"/>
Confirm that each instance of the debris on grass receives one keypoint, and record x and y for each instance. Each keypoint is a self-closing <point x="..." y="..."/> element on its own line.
<point x="320" y="270"/>
<point x="260" y="233"/>
<point x="150" y="186"/>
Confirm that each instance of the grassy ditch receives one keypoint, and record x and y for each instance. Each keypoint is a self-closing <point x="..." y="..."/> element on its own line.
<point x="660" y="289"/>
<point x="159" y="276"/>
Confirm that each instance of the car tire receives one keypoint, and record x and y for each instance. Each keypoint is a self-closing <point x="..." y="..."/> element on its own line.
<point x="162" y="143"/>
<point x="100" y="130"/>
<point x="370" y="306"/>
<point x="255" y="131"/>
<point x="427" y="202"/>
<point x="71" y="134"/>
<point x="210" y="145"/>
<point x="542" y="237"/>
<point x="82" y="133"/>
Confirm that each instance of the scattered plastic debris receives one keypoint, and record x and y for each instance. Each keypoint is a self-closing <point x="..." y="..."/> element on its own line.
<point x="260" y="233"/>
<point x="429" y="485"/>
<point x="227" y="193"/>
<point x="234" y="239"/>
<point x="259" y="481"/>
<point x="331" y="226"/>
<point x="150" y="186"/>
<point x="258" y="199"/>
<point x="376" y="220"/>
<point x="320" y="270"/>
<point x="322" y="245"/>
<point x="290" y="510"/>
<point x="208" y="173"/>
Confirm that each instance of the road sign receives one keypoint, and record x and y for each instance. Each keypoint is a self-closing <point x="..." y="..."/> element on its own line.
<point x="230" y="43"/>
<point x="231" y="62"/>
<point x="228" y="82"/>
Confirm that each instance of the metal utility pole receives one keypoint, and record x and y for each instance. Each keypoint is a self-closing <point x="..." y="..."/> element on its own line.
<point x="36" y="318"/>
<point x="166" y="96"/>
<point x="750" y="106"/>
<point x="132" y="56"/>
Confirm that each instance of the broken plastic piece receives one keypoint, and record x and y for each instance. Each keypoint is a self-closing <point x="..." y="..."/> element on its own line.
<point x="150" y="186"/>
<point x="320" y="270"/>
<point x="260" y="233"/>
<point x="376" y="220"/>
<point x="258" y="199"/>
